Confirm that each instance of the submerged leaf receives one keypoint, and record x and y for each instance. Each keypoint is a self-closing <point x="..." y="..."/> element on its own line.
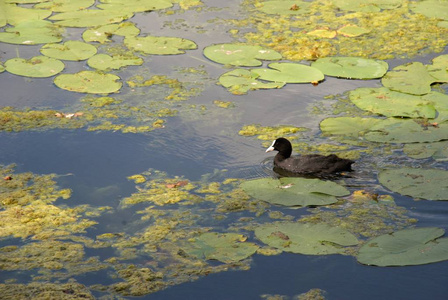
<point x="351" y="67"/>
<point x="310" y="239"/>
<point x="408" y="247"/>
<point x="290" y="73"/>
<point x="240" y="54"/>
<point x="294" y="191"/>
<point x="429" y="184"/>
<point x="89" y="82"/>
<point x="159" y="45"/>
<point x="38" y="66"/>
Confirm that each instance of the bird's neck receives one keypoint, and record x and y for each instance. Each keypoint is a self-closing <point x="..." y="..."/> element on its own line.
<point x="282" y="155"/>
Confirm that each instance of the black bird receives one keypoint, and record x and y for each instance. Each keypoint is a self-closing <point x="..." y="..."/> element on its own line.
<point x="313" y="164"/>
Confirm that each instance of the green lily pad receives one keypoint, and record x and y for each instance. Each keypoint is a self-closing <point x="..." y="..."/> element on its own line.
<point x="325" y="33"/>
<point x="14" y="15"/>
<point x="347" y="126"/>
<point x="90" y="17"/>
<point x="436" y="150"/>
<point x="392" y="104"/>
<point x="439" y="68"/>
<point x="294" y="191"/>
<point x="411" y="78"/>
<point x="367" y="5"/>
<point x="104" y="62"/>
<point x="290" y="73"/>
<point x="406" y="131"/>
<point x="352" y="31"/>
<point x="284" y="7"/>
<point x="225" y="247"/>
<point x="408" y="247"/>
<point x="38" y="66"/>
<point x="240" y="54"/>
<point x="309" y="239"/>
<point x="429" y="184"/>
<point x="351" y="67"/>
<point x="431" y="8"/>
<point x="241" y="81"/>
<point x="103" y="33"/>
<point x="159" y="45"/>
<point x="2" y="68"/>
<point x="135" y="5"/>
<point x="89" y="82"/>
<point x="70" y="50"/>
<point x="32" y="33"/>
<point x="65" y="5"/>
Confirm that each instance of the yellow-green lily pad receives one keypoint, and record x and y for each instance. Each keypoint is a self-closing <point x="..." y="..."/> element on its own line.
<point x="309" y="239"/>
<point x="159" y="45"/>
<point x="347" y="126"/>
<point x="284" y="7"/>
<point x="225" y="247"/>
<point x="240" y="81"/>
<point x="351" y="30"/>
<point x="65" y="5"/>
<point x="436" y="150"/>
<point x="104" y="62"/>
<point x="135" y="5"/>
<point x="89" y="82"/>
<point x="429" y="184"/>
<point x="367" y="5"/>
<point x="14" y="15"/>
<point x="38" y="66"/>
<point x="31" y="33"/>
<point x="90" y="17"/>
<point x="351" y="67"/>
<point x="103" y="33"/>
<point x="70" y="50"/>
<point x="294" y="191"/>
<point x="431" y="8"/>
<point x="240" y="54"/>
<point x="439" y="68"/>
<point x="289" y="73"/>
<point x="408" y="247"/>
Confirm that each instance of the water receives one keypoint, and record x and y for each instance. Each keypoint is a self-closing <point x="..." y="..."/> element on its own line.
<point x="95" y="166"/>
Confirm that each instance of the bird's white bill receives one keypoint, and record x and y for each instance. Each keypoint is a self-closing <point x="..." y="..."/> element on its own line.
<point x="271" y="147"/>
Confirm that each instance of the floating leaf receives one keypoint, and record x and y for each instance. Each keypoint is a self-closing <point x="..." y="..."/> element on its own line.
<point x="38" y="66"/>
<point x="347" y="126"/>
<point x="392" y="104"/>
<point x="103" y="61"/>
<point x="65" y="5"/>
<point x="2" y="68"/>
<point x="89" y="82"/>
<point x="436" y="150"/>
<point x="408" y="247"/>
<point x="15" y="15"/>
<point x="429" y="184"/>
<point x="135" y="5"/>
<point x="290" y="73"/>
<point x="90" y="17"/>
<point x="225" y="247"/>
<point x="103" y="33"/>
<point x="310" y="239"/>
<point x="294" y="191"/>
<point x="323" y="33"/>
<point x="284" y="7"/>
<point x="351" y="67"/>
<point x="439" y="68"/>
<point x="351" y="30"/>
<point x="70" y="50"/>
<point x="411" y="78"/>
<point x="367" y="5"/>
<point x="240" y="54"/>
<point x="159" y="45"/>
<point x="431" y="8"/>
<point x="32" y="33"/>
<point x="241" y="81"/>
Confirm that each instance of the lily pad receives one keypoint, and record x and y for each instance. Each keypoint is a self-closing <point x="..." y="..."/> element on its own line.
<point x="431" y="8"/>
<point x="32" y="33"/>
<point x="70" y="50"/>
<point x="159" y="45"/>
<point x="439" y="68"/>
<point x="367" y="5"/>
<point x="89" y="82"/>
<point x="135" y="5"/>
<point x="408" y="247"/>
<point x="310" y="239"/>
<point x="104" y="62"/>
<point x="241" y="81"/>
<point x="347" y="126"/>
<point x="411" y="78"/>
<point x="429" y="184"/>
<point x="65" y="5"/>
<point x="323" y="33"/>
<point x="14" y="15"/>
<point x="225" y="247"/>
<point x="351" y="30"/>
<point x="290" y="73"/>
<point x="103" y="33"/>
<point x="90" y="17"/>
<point x="351" y="67"/>
<point x="240" y="54"/>
<point x="38" y="66"/>
<point x="392" y="104"/>
<point x="436" y="150"/>
<point x="284" y="7"/>
<point x="294" y="191"/>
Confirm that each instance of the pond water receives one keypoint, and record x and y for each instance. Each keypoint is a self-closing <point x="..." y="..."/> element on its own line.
<point x="192" y="154"/>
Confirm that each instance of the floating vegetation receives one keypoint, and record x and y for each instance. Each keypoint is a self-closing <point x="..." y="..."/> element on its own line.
<point x="159" y="45"/>
<point x="351" y="67"/>
<point x="70" y="50"/>
<point x="290" y="73"/>
<point x="90" y="17"/>
<point x="104" y="62"/>
<point x="40" y="290"/>
<point x="267" y="133"/>
<point x="38" y="66"/>
<point x="240" y="82"/>
<point x="240" y="54"/>
<point x="32" y="32"/>
<point x="89" y="82"/>
<point x="102" y="34"/>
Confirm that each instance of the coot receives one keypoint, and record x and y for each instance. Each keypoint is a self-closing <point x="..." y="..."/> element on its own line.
<point x="313" y="164"/>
